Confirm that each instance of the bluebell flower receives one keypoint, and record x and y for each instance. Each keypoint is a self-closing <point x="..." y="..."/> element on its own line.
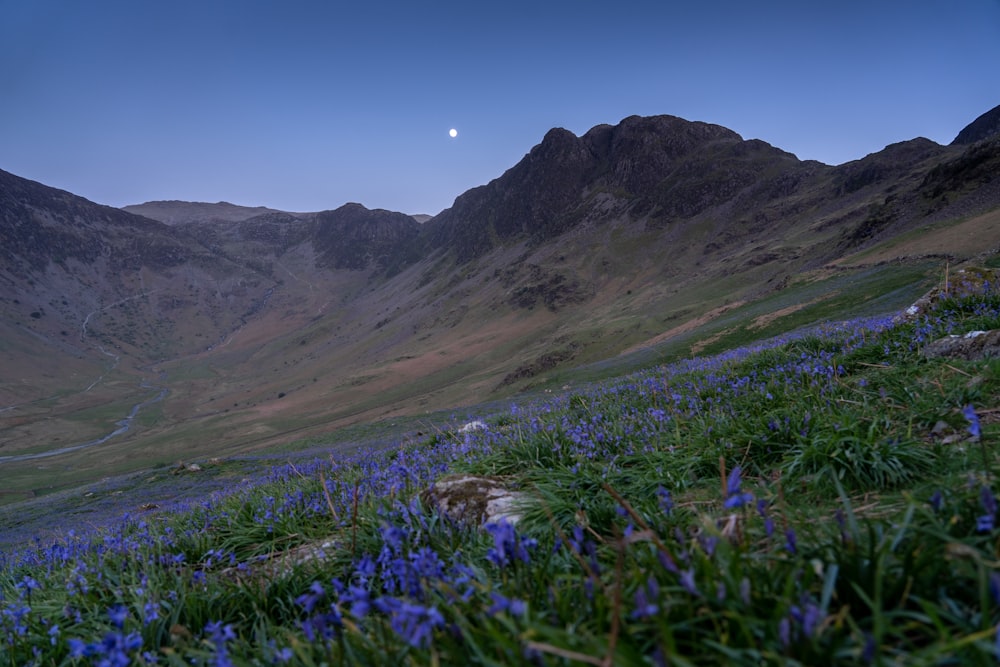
<point x="118" y="613"/>
<point x="360" y="601"/>
<point x="220" y="635"/>
<point x="986" y="522"/>
<point x="970" y="414"/>
<point x="868" y="652"/>
<point x="308" y="601"/>
<point x="734" y="496"/>
<point x="988" y="501"/>
<point x="415" y="623"/>
<point x="507" y="545"/>
<point x="666" y="503"/>
<point x="791" y="541"/>
<point x="501" y="603"/>
<point x="79" y="648"/>
<point x="994" y="586"/>
<point x="647" y="600"/>
<point x="394" y="537"/>
<point x="687" y="581"/>
<point x="936" y="501"/>
<point x="785" y="632"/>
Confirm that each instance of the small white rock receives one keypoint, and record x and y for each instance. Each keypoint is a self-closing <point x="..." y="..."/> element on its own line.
<point x="475" y="425"/>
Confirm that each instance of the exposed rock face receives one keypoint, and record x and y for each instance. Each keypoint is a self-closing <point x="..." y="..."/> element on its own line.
<point x="660" y="165"/>
<point x="964" y="281"/>
<point x="973" y="346"/>
<point x="39" y="225"/>
<point x="354" y="237"/>
<point x="474" y="500"/>
<point x="984" y="127"/>
<point x="893" y="161"/>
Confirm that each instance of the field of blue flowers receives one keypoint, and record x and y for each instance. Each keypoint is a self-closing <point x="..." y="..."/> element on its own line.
<point x="825" y="498"/>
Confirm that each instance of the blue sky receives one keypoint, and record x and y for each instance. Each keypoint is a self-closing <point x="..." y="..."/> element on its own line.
<point x="305" y="105"/>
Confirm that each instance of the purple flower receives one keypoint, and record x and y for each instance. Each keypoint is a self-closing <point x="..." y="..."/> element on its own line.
<point x="79" y="648"/>
<point x="646" y="600"/>
<point x="118" y="614"/>
<point x="219" y="635"/>
<point x="868" y="652"/>
<point x="734" y="497"/>
<point x="811" y="618"/>
<point x="687" y="581"/>
<point x="394" y="537"/>
<point x="512" y="606"/>
<point x="745" y="590"/>
<point x="360" y="601"/>
<point x="987" y="500"/>
<point x="936" y="501"/>
<point x="308" y="601"/>
<point x="785" y="632"/>
<point x="415" y="623"/>
<point x="666" y="503"/>
<point x="152" y="612"/>
<point x="507" y="545"/>
<point x="791" y="542"/>
<point x="970" y="414"/>
<point x="985" y="523"/>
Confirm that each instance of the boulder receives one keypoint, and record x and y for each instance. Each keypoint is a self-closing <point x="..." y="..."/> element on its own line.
<point x="474" y="499"/>
<point x="973" y="346"/>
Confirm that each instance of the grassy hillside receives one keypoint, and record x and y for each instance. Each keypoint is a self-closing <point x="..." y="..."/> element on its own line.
<point x="825" y="498"/>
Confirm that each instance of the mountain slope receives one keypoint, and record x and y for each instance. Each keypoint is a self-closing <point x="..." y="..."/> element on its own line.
<point x="266" y="326"/>
<point x="986" y="126"/>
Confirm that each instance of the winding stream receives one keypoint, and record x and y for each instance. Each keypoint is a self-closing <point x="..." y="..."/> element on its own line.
<point x="122" y="426"/>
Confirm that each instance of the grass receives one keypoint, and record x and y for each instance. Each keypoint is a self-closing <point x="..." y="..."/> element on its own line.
<point x="824" y="498"/>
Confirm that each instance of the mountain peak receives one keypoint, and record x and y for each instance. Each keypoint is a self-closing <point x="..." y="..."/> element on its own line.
<point x="984" y="127"/>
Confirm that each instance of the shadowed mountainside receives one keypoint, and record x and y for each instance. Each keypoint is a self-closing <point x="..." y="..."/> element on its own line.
<point x="265" y="326"/>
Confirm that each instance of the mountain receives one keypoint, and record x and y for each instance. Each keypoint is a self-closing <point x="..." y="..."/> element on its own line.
<point x="173" y="212"/>
<point x="985" y="127"/>
<point x="235" y="328"/>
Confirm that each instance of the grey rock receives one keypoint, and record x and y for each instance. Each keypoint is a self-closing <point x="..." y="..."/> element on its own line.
<point x="474" y="499"/>
<point x="973" y="346"/>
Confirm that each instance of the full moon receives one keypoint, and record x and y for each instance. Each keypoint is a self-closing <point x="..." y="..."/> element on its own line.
<point x="452" y="133"/>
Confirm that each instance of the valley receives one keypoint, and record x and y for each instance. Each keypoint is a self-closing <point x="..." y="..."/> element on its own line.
<point x="631" y="245"/>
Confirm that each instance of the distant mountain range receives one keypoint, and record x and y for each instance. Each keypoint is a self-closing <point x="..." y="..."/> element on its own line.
<point x="267" y="325"/>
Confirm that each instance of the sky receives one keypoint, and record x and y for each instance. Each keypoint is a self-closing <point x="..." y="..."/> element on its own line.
<point x="304" y="105"/>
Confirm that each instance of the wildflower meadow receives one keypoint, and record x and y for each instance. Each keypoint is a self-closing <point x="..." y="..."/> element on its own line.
<point x="826" y="498"/>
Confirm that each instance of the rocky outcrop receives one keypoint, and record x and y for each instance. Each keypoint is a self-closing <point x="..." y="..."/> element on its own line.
<point x="972" y="346"/>
<point x="474" y="499"/>
<point x="984" y="127"/>
<point x="649" y="166"/>
<point x="357" y="238"/>
<point x="963" y="281"/>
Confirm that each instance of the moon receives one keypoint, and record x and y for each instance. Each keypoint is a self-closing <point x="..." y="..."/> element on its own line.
<point x="452" y="133"/>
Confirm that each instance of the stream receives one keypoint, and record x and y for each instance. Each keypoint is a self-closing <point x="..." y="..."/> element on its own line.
<point x="122" y="426"/>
